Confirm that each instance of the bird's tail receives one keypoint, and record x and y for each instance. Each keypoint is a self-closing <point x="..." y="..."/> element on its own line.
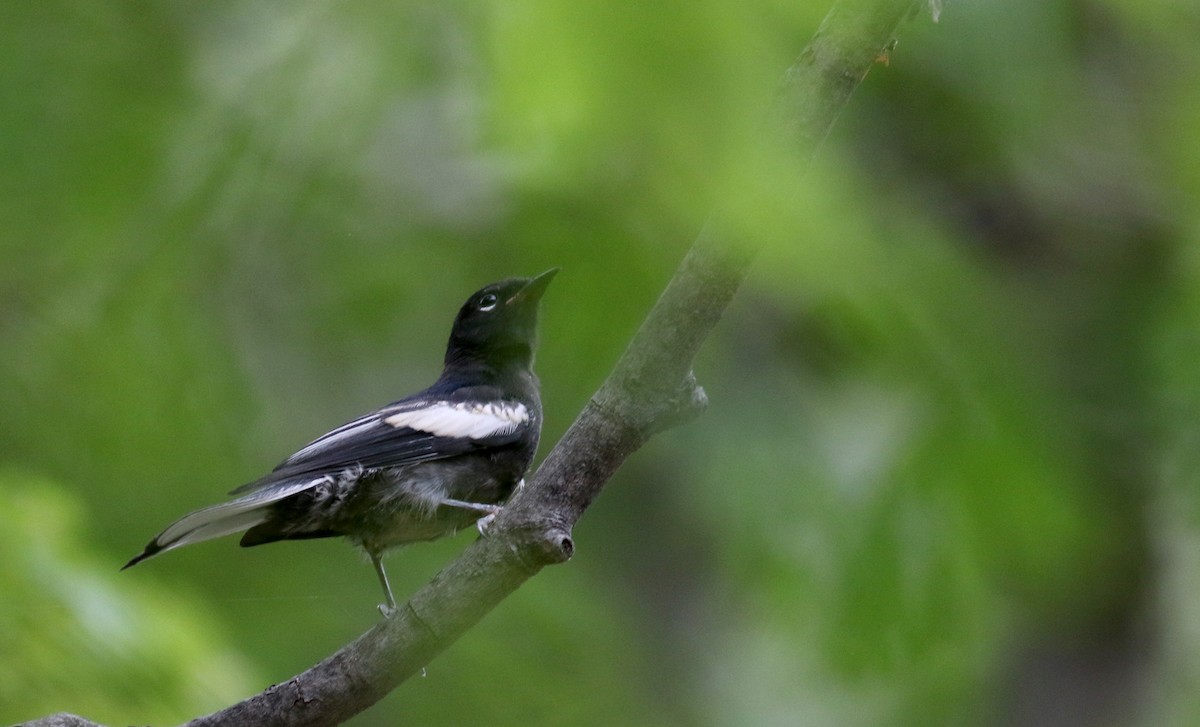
<point x="218" y="520"/>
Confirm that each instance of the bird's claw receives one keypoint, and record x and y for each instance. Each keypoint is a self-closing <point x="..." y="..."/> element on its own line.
<point x="484" y="524"/>
<point x="387" y="611"/>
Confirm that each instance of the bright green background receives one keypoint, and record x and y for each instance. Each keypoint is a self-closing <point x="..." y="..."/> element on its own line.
<point x="949" y="471"/>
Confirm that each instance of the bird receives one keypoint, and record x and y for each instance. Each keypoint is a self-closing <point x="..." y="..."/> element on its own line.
<point x="420" y="468"/>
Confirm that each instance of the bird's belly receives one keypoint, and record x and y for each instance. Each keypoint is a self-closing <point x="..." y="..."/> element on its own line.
<point x="404" y="505"/>
<point x="407" y="526"/>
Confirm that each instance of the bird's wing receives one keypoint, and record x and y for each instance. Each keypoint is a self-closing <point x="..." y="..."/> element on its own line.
<point x="414" y="430"/>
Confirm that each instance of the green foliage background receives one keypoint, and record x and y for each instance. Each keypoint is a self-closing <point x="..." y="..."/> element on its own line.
<point x="948" y="471"/>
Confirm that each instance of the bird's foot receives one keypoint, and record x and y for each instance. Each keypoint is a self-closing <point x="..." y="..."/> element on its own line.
<point x="484" y="524"/>
<point x="489" y="512"/>
<point x="387" y="609"/>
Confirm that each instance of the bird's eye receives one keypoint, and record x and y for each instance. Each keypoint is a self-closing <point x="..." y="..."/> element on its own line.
<point x="488" y="302"/>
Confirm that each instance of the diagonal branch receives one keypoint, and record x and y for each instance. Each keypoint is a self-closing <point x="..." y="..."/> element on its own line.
<point x="650" y="389"/>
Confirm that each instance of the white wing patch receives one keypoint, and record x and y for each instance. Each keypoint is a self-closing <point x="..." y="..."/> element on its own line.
<point x="463" y="420"/>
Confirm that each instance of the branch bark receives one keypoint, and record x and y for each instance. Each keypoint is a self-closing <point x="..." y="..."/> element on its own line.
<point x="650" y="389"/>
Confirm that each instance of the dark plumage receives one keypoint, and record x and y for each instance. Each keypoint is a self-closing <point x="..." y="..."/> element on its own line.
<point x="417" y="469"/>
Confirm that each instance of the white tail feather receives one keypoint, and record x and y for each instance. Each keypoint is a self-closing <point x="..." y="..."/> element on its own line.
<point x="227" y="518"/>
<point x="226" y="525"/>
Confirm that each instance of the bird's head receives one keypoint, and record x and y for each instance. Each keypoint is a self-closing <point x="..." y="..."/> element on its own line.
<point x="497" y="325"/>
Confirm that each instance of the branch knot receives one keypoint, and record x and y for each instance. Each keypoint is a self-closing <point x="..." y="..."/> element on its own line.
<point x="543" y="545"/>
<point x="687" y="403"/>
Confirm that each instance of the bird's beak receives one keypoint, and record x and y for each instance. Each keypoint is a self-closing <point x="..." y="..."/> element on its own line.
<point x="532" y="292"/>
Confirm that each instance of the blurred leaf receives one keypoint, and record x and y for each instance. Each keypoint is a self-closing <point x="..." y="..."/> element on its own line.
<point x="76" y="640"/>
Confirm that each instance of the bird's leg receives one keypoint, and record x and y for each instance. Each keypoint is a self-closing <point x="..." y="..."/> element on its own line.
<point x="389" y="608"/>
<point x="489" y="512"/>
<point x="472" y="506"/>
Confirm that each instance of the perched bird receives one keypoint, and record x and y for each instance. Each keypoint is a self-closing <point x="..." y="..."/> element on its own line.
<point x="417" y="469"/>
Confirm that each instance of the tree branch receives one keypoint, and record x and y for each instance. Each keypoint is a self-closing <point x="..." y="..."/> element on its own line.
<point x="651" y="388"/>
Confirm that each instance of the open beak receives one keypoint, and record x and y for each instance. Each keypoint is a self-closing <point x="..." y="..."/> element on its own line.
<point x="532" y="292"/>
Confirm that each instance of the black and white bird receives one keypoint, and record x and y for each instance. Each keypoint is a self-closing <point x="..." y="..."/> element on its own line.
<point x="417" y="469"/>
